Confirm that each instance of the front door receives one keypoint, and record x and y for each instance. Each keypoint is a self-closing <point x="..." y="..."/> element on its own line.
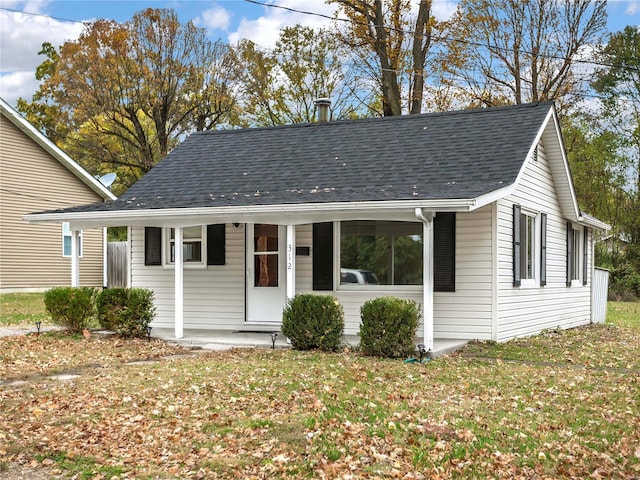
<point x="266" y="290"/>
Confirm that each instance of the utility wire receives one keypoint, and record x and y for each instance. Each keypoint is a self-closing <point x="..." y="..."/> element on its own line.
<point x="443" y="39"/>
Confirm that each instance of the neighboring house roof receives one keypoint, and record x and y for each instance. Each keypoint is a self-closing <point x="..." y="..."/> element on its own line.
<point x="19" y="121"/>
<point x="452" y="160"/>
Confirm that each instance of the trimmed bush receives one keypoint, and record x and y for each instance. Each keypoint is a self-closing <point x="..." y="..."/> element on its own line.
<point x="71" y="307"/>
<point x="388" y="327"/>
<point x="313" y="322"/>
<point x="126" y="311"/>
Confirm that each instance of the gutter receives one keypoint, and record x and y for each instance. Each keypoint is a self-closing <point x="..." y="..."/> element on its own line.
<point x="195" y="216"/>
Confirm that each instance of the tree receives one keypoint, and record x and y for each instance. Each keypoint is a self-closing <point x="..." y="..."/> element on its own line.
<point x="132" y="90"/>
<point x="619" y="84"/>
<point x="280" y="86"/>
<point x="392" y="43"/>
<point x="514" y="51"/>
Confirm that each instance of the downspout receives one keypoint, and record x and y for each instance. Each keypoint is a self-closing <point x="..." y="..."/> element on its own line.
<point x="427" y="277"/>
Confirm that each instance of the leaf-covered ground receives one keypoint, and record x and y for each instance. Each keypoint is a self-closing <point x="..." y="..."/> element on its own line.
<point x="560" y="405"/>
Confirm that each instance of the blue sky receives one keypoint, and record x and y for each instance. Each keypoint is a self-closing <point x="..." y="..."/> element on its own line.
<point x="22" y="33"/>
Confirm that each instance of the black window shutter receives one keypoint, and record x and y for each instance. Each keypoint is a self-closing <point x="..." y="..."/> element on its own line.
<point x="585" y="256"/>
<point x="444" y="252"/>
<point x="543" y="249"/>
<point x="569" y="253"/>
<point x="152" y="245"/>
<point x="216" y="244"/>
<point x="323" y="256"/>
<point x="516" y="246"/>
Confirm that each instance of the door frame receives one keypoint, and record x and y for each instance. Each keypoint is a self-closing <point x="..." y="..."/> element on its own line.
<point x="260" y="295"/>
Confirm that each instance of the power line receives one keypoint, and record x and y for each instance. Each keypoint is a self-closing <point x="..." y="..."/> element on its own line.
<point x="436" y="37"/>
<point x="443" y="39"/>
<point x="34" y="14"/>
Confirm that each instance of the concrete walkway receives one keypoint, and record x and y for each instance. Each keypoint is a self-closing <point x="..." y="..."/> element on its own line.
<point x="226" y="339"/>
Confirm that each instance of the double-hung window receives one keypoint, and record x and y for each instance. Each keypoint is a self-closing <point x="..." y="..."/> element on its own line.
<point x="575" y="253"/>
<point x="192" y="240"/>
<point x="67" y="238"/>
<point x="202" y="245"/>
<point x="529" y="248"/>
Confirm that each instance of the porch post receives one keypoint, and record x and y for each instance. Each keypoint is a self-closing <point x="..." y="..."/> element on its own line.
<point x="179" y="283"/>
<point x="291" y="261"/>
<point x="427" y="277"/>
<point x="75" y="258"/>
<point x="105" y="258"/>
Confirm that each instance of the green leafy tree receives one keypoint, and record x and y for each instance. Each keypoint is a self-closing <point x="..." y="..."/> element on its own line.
<point x="618" y="84"/>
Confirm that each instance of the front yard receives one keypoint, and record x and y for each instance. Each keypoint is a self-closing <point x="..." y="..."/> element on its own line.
<point x="559" y="405"/>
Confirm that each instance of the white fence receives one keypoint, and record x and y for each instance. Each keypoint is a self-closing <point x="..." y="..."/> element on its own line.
<point x="599" y="291"/>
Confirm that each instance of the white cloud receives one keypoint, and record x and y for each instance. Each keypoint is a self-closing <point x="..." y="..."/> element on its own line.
<point x="444" y="10"/>
<point x="633" y="8"/>
<point x="216" y="18"/>
<point x="21" y="38"/>
<point x="264" y="31"/>
<point x="17" y="84"/>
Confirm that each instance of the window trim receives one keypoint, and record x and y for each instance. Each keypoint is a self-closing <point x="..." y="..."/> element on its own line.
<point x="520" y="247"/>
<point x="368" y="286"/>
<point x="575" y="263"/>
<point x="67" y="232"/>
<point x="167" y="242"/>
<point x="213" y="254"/>
<point x="534" y="216"/>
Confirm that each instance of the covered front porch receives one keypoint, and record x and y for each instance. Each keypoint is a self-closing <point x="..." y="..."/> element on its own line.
<point x="225" y="339"/>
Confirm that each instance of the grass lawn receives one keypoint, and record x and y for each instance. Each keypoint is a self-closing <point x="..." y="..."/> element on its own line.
<point x="22" y="309"/>
<point x="559" y="405"/>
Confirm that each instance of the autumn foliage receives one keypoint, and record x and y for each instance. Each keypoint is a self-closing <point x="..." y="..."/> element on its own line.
<point x="560" y="405"/>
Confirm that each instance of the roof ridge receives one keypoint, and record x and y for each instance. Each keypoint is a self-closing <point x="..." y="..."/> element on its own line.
<point x="395" y="118"/>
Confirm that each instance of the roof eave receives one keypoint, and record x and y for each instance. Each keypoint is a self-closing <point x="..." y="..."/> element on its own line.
<point x="293" y="214"/>
<point x="592" y="222"/>
<point x="54" y="151"/>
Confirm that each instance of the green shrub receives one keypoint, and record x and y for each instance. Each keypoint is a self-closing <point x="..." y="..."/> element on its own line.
<point x="313" y="321"/>
<point x="126" y="311"/>
<point x="71" y="307"/>
<point x="388" y="327"/>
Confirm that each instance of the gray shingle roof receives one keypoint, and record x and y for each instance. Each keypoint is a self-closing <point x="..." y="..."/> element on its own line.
<point x="452" y="155"/>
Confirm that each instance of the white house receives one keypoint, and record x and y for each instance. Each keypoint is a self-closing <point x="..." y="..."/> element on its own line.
<point x="472" y="214"/>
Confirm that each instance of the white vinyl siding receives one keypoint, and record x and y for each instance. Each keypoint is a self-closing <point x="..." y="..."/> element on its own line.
<point x="466" y="313"/>
<point x="31" y="180"/>
<point x="351" y="300"/>
<point x="213" y="296"/>
<point x="526" y="311"/>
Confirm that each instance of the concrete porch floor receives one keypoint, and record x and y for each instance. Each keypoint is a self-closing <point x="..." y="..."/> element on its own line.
<point x="227" y="339"/>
